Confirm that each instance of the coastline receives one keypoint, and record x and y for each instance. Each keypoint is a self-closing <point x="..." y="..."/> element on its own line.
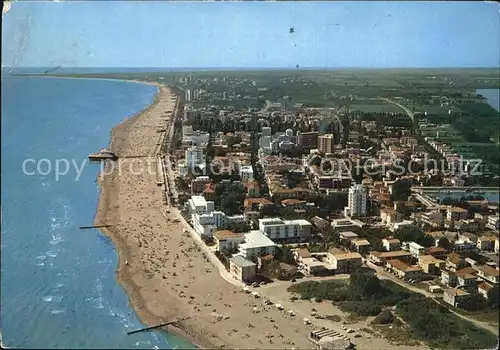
<point x="135" y="299"/>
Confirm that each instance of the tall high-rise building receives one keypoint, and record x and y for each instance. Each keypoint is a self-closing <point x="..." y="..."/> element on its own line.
<point x="307" y="140"/>
<point x="188" y="95"/>
<point x="326" y="143"/>
<point x="357" y="201"/>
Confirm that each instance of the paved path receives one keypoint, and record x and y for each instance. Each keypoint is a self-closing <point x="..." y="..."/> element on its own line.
<point x="171" y="190"/>
<point x="410" y="113"/>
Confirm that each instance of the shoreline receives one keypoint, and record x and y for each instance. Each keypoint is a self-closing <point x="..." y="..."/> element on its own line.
<point x="123" y="254"/>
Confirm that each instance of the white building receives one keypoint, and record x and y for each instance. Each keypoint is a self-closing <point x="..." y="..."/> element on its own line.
<point x="246" y="173"/>
<point x="198" y="205"/>
<point x="187" y="95"/>
<point x="197" y="138"/>
<point x="493" y="222"/>
<point x="194" y="156"/>
<point x="276" y="228"/>
<point x="256" y="244"/>
<point x="413" y="248"/>
<point x="356" y="201"/>
<point x="207" y="223"/>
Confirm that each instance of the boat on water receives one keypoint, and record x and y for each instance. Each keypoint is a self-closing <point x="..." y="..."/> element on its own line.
<point x="103" y="154"/>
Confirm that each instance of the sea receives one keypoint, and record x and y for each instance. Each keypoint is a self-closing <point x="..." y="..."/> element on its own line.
<point x="58" y="283"/>
<point x="492" y="95"/>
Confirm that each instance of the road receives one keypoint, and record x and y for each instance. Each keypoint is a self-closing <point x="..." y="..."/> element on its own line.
<point x="171" y="202"/>
<point x="410" y="113"/>
<point x="385" y="275"/>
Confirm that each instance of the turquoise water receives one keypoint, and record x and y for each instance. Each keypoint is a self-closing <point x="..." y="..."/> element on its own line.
<point x="58" y="285"/>
<point x="493" y="96"/>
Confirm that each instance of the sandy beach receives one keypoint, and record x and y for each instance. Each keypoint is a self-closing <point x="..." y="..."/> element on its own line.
<point x="162" y="270"/>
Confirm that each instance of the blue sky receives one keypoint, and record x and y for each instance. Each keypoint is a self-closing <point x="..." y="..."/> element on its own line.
<point x="251" y="34"/>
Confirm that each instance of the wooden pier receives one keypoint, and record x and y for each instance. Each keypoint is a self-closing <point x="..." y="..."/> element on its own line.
<point x="96" y="226"/>
<point x="157" y="326"/>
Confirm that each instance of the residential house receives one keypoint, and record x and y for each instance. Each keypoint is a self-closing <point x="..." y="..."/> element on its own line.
<point x="300" y="253"/>
<point x="264" y="261"/>
<point x="253" y="206"/>
<point x="344" y="262"/>
<point x="360" y="245"/>
<point x="468" y="236"/>
<point x="256" y="244"/>
<point x="449" y="278"/>
<point x="198" y="184"/>
<point x="252" y="189"/>
<point x="470" y="225"/>
<point x="242" y="269"/>
<point x="431" y="265"/>
<point x="391" y="244"/>
<point x="463" y="246"/>
<point x="404" y="270"/>
<point x="209" y="192"/>
<point x="437" y="252"/>
<point x="276" y="228"/>
<point x="292" y="203"/>
<point x="346" y="224"/>
<point x="226" y="240"/>
<point x="436" y="235"/>
<point x="454" y="297"/>
<point x="466" y="281"/>
<point x="348" y="235"/>
<point x="488" y="273"/>
<point x="390" y="216"/>
<point x="414" y="248"/>
<point x="320" y="224"/>
<point x="456" y="214"/>
<point x="484" y="288"/>
<point x="312" y="266"/>
<point x="455" y="262"/>
<point x="380" y="258"/>
<point x="486" y="243"/>
<point x="433" y="218"/>
<point x="493" y="222"/>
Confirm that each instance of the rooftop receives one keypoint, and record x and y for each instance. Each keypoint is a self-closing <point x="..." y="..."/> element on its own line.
<point x="345" y="256"/>
<point x="402" y="266"/>
<point x="257" y="239"/>
<point x="241" y="261"/>
<point x="455" y="292"/>
<point x="348" y="234"/>
<point x="199" y="201"/>
<point x="227" y="234"/>
<point x="361" y="242"/>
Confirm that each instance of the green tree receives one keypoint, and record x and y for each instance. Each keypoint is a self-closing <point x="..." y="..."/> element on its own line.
<point x="365" y="284"/>
<point x="401" y="190"/>
<point x="445" y="243"/>
<point x="413" y="233"/>
<point x="493" y="297"/>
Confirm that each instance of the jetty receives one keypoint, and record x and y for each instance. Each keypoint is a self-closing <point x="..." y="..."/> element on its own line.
<point x="103" y="154"/>
<point x="95" y="226"/>
<point x="158" y="325"/>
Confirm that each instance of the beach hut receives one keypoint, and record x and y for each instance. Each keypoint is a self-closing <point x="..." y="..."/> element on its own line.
<point x="306" y="321"/>
<point x="246" y="290"/>
<point x="255" y="295"/>
<point x="291" y="313"/>
<point x="279" y="306"/>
